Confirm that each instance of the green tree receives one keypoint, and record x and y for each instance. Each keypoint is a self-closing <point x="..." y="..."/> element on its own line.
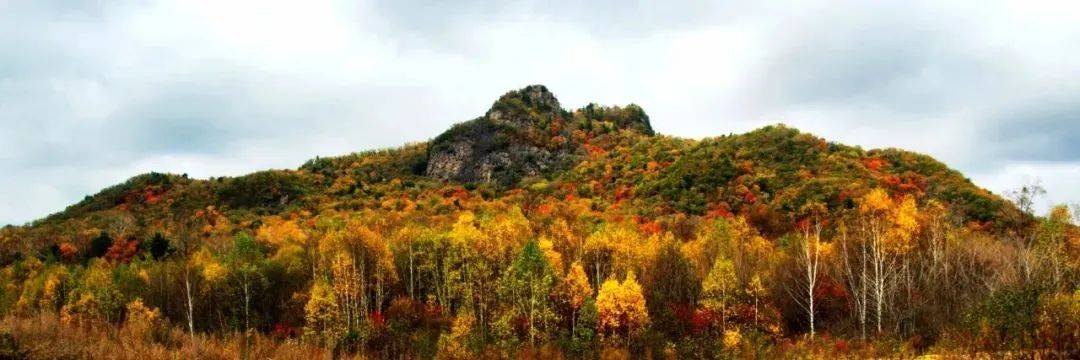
<point x="245" y="262"/>
<point x="158" y="246"/>
<point x="100" y="245"/>
<point x="673" y="286"/>
<point x="527" y="286"/>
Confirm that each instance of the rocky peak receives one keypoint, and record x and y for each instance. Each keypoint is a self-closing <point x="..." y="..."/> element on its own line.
<point x="527" y="107"/>
<point x="525" y="133"/>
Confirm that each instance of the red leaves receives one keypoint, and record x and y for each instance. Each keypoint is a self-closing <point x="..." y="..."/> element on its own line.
<point x="378" y="320"/>
<point x="874" y="164"/>
<point x="68" y="252"/>
<point x="623" y="192"/>
<point x="283" y="331"/>
<point x="703" y="319"/>
<point x="719" y="210"/>
<point x="123" y="251"/>
<point x="749" y="198"/>
<point x="460" y="194"/>
<point x="594" y="151"/>
<point x="648" y="227"/>
<point x="153" y="194"/>
<point x="803" y="224"/>
<point x="545" y="209"/>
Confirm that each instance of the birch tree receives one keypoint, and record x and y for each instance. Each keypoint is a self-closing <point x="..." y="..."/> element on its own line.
<point x="809" y="251"/>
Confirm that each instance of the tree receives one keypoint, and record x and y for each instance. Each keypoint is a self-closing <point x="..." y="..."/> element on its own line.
<point x="286" y="235"/>
<point x="613" y="248"/>
<point x="123" y="251"/>
<point x="186" y="229"/>
<point x="1026" y="195"/>
<point x="158" y="246"/>
<point x="673" y="288"/>
<point x="100" y="245"/>
<point x="809" y="249"/>
<point x="141" y="320"/>
<point x="321" y="314"/>
<point x="68" y="251"/>
<point x="621" y="308"/>
<point x="245" y="261"/>
<point x="887" y="228"/>
<point x="96" y="294"/>
<point x="756" y="291"/>
<point x="719" y="287"/>
<point x="348" y="289"/>
<point x="1052" y="239"/>
<point x="528" y="285"/>
<point x="575" y="291"/>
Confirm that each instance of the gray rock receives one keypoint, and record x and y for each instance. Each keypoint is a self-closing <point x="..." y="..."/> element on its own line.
<point x="515" y="139"/>
<point x="505" y="145"/>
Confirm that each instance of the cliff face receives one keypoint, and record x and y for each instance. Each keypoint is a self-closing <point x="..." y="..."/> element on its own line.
<point x="520" y="136"/>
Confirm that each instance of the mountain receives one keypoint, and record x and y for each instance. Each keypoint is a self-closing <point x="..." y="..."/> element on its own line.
<point x="539" y="232"/>
<point x="608" y="154"/>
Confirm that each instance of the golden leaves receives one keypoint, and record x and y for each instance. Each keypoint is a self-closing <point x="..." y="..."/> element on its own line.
<point x="898" y="219"/>
<point x="577" y="286"/>
<point x="621" y="307"/>
<point x="876" y="201"/>
<point x="277" y="231"/>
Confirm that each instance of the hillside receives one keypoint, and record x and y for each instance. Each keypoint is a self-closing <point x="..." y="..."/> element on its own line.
<point x="534" y="227"/>
<point x="607" y="154"/>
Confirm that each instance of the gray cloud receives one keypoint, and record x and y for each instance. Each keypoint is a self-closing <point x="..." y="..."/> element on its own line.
<point x="94" y="93"/>
<point x="1048" y="131"/>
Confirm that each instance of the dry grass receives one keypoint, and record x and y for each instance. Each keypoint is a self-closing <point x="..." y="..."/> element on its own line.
<point x="44" y="337"/>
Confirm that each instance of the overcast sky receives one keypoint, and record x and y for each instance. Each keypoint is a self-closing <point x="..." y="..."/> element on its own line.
<point x="94" y="92"/>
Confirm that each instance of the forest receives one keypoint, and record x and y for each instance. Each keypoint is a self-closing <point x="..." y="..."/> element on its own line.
<point x="602" y="240"/>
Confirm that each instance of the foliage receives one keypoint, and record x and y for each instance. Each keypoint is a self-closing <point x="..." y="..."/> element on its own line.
<point x="527" y="285"/>
<point x="620" y="308"/>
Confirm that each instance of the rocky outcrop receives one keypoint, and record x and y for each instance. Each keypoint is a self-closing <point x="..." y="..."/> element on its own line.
<point x="526" y="133"/>
<point x="505" y="145"/>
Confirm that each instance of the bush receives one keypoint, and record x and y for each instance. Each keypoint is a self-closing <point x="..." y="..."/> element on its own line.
<point x="1059" y="324"/>
<point x="265" y="190"/>
<point x="1005" y="320"/>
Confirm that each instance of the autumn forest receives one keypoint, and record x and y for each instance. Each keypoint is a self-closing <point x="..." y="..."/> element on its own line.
<point x="539" y="232"/>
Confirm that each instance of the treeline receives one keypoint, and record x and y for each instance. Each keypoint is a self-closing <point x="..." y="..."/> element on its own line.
<point x="892" y="274"/>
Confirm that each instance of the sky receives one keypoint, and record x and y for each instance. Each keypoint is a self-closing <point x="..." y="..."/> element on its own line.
<point x="95" y="92"/>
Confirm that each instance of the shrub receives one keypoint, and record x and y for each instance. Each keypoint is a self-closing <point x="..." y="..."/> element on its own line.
<point x="1059" y="324"/>
<point x="143" y="323"/>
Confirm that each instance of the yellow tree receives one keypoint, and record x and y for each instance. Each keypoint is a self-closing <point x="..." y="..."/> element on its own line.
<point x="615" y="248"/>
<point x="888" y="227"/>
<point x="347" y="289"/>
<point x="368" y="259"/>
<point x="719" y="287"/>
<point x="575" y="291"/>
<point x="383" y="272"/>
<point x="1053" y="238"/>
<point x="554" y="258"/>
<point x="621" y="307"/>
<point x="321" y="314"/>
<point x="288" y="239"/>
